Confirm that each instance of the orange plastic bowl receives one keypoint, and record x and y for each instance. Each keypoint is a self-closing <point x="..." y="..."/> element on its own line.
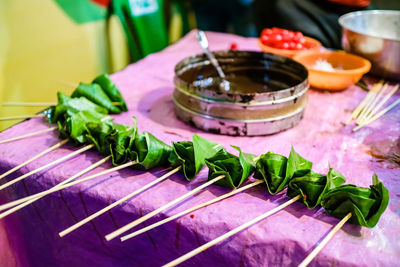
<point x="348" y="69"/>
<point x="312" y="44"/>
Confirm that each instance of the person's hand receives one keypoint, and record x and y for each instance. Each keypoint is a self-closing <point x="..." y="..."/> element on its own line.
<point x="355" y="3"/>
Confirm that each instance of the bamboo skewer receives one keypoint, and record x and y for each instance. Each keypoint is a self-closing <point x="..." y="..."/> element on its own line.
<point x="68" y="83"/>
<point x="33" y="158"/>
<point x="366" y="111"/>
<point x="58" y="188"/>
<point x="47" y="166"/>
<point x="377" y="116"/>
<point x="28" y="135"/>
<point x="155" y="212"/>
<point x="321" y="245"/>
<point x="230" y="233"/>
<point x="358" y="109"/>
<point x="369" y="102"/>
<point x="28" y="104"/>
<point x="116" y="203"/>
<point x="212" y="201"/>
<point x="384" y="100"/>
<point x="21" y="117"/>
<point x="22" y="200"/>
<point x="39" y="104"/>
<point x="371" y="98"/>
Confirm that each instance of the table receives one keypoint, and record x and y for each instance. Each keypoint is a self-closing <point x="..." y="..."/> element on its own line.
<point x="283" y="239"/>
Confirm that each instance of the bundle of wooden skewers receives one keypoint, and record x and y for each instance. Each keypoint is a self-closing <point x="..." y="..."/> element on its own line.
<point x="101" y="79"/>
<point x="84" y="120"/>
<point x="372" y="106"/>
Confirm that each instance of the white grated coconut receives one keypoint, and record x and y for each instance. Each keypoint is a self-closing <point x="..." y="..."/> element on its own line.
<point x="322" y="64"/>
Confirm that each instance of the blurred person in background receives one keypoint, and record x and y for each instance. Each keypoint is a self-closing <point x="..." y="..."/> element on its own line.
<point x="314" y="18"/>
<point x="233" y="16"/>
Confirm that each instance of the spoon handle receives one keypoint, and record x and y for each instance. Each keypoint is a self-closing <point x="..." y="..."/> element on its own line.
<point x="201" y="37"/>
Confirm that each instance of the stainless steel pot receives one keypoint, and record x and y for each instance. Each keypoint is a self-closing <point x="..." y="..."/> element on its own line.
<point x="268" y="93"/>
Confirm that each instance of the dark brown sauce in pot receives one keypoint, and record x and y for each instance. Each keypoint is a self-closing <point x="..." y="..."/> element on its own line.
<point x="252" y="76"/>
<point x="247" y="75"/>
<point x="243" y="83"/>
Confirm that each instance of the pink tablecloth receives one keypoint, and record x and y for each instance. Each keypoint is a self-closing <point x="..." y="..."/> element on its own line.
<point x="283" y="239"/>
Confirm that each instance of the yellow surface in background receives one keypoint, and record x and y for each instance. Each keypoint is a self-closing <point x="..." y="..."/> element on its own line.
<point x="42" y="50"/>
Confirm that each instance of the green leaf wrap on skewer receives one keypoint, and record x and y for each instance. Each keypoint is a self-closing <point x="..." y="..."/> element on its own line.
<point x="183" y="155"/>
<point x="203" y="149"/>
<point x="277" y="170"/>
<point x="235" y="169"/>
<point x="95" y="93"/>
<point x="365" y="204"/>
<point x="296" y="165"/>
<point x="272" y="168"/>
<point x="98" y="134"/>
<point x="148" y="151"/>
<point x="76" y="125"/>
<point x="111" y="90"/>
<point x="191" y="155"/>
<point x="68" y="106"/>
<point x="313" y="186"/>
<point x="54" y="112"/>
<point x="120" y="140"/>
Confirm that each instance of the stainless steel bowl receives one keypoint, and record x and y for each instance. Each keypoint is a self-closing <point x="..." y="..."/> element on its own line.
<point x="375" y="35"/>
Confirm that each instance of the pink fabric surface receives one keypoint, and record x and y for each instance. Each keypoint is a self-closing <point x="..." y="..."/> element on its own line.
<point x="282" y="239"/>
<point x="7" y="257"/>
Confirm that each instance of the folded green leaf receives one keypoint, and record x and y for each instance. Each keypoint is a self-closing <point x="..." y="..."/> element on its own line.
<point x="183" y="155"/>
<point x="365" y="204"/>
<point x="119" y="142"/>
<point x="98" y="134"/>
<point x="80" y="104"/>
<point x="75" y="126"/>
<point x="191" y="155"/>
<point x="203" y="149"/>
<point x="111" y="90"/>
<point x="296" y="165"/>
<point x="313" y="186"/>
<point x="95" y="93"/>
<point x="235" y="169"/>
<point x="272" y="168"/>
<point x="148" y="151"/>
<point x="68" y="106"/>
<point x="335" y="178"/>
<point x="277" y="170"/>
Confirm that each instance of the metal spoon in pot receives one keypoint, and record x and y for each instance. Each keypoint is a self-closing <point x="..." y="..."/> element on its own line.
<point x="201" y="37"/>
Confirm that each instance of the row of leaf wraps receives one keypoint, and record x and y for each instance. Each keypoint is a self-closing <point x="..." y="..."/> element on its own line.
<point x="83" y="118"/>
